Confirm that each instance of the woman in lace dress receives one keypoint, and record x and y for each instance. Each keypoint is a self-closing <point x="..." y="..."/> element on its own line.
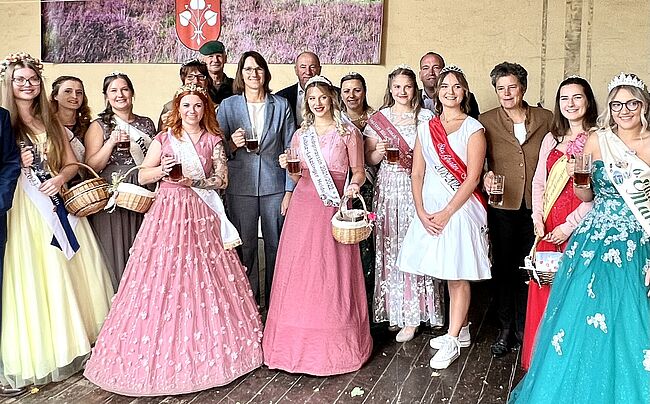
<point x="593" y="344"/>
<point x="69" y="102"/>
<point x="404" y="300"/>
<point x="117" y="123"/>
<point x="184" y="318"/>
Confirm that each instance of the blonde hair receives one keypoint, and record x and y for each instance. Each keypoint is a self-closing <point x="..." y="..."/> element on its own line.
<point x="40" y="109"/>
<point x="335" y="109"/>
<point x="606" y="120"/>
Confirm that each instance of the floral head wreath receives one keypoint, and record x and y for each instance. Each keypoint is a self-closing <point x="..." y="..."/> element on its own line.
<point x="318" y="79"/>
<point x="452" y="68"/>
<point x="400" y="66"/>
<point x="625" y="79"/>
<point x="14" y="58"/>
<point x="191" y="88"/>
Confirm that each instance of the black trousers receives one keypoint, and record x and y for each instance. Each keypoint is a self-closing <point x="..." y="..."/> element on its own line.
<point x="511" y="235"/>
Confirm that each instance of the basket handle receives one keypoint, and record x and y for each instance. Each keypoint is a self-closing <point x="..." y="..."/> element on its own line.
<point x="343" y="207"/>
<point x="89" y="168"/>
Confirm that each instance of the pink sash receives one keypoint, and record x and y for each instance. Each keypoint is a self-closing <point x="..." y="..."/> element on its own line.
<point x="449" y="159"/>
<point x="387" y="132"/>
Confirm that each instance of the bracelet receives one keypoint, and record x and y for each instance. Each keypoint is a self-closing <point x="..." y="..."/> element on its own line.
<point x="354" y="183"/>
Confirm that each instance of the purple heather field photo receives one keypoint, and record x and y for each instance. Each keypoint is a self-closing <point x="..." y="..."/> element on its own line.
<point x="137" y="31"/>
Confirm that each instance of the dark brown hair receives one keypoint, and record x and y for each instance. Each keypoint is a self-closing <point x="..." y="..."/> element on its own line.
<point x="238" y="86"/>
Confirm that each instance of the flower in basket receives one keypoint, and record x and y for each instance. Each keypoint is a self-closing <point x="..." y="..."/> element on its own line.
<point x="116" y="178"/>
<point x="372" y="216"/>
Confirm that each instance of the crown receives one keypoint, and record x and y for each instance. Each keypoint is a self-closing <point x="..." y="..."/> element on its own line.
<point x="452" y="68"/>
<point x="191" y="88"/>
<point x="624" y="79"/>
<point x="116" y="73"/>
<point x="574" y="76"/>
<point x="401" y="66"/>
<point x="318" y="79"/>
<point x="14" y="58"/>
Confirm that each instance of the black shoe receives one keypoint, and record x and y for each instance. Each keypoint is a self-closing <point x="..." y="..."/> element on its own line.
<point x="501" y="346"/>
<point x="8" y="391"/>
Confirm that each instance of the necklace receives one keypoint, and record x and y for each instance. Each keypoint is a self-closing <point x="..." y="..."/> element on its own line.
<point x="456" y="118"/>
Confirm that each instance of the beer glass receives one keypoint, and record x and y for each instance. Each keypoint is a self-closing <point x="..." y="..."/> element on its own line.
<point x="495" y="194"/>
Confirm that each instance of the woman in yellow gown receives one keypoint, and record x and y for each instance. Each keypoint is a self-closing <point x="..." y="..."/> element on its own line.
<point x="56" y="290"/>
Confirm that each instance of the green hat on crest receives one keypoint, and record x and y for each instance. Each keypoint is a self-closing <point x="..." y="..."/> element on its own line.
<point x="212" y="47"/>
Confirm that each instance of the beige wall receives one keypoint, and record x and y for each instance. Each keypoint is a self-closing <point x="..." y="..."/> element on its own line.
<point x="551" y="38"/>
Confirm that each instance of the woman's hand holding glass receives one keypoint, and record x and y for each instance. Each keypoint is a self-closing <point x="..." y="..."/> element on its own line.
<point x="26" y="156"/>
<point x="167" y="161"/>
<point x="283" y="159"/>
<point x="381" y="147"/>
<point x="238" y="137"/>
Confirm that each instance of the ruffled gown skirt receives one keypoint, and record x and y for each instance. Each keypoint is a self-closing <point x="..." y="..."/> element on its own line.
<point x="318" y="317"/>
<point x="52" y="307"/>
<point x="184" y="318"/>
<point x="593" y="344"/>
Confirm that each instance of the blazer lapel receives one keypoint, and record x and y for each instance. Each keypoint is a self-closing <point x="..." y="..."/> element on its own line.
<point x="245" y="116"/>
<point x="268" y="117"/>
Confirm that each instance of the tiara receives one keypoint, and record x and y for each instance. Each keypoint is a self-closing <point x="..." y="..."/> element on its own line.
<point x="452" y="68"/>
<point x="14" y="58"/>
<point x="116" y="73"/>
<point x="624" y="79"/>
<point x="574" y="76"/>
<point x="401" y="66"/>
<point x="191" y="88"/>
<point x="318" y="79"/>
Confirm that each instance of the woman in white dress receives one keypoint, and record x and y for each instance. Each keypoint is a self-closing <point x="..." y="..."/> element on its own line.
<point x="449" y="241"/>
<point x="404" y="300"/>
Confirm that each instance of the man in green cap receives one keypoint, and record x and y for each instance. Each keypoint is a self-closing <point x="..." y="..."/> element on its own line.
<point x="214" y="56"/>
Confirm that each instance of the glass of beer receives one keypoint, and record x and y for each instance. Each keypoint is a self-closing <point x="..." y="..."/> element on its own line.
<point x="252" y="143"/>
<point x="125" y="145"/>
<point x="176" y="173"/>
<point x="293" y="161"/>
<point x="582" y="171"/>
<point x="495" y="194"/>
<point x="392" y="153"/>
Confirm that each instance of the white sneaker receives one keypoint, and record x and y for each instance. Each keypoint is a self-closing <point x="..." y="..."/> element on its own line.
<point x="447" y="354"/>
<point x="406" y="334"/>
<point x="464" y="339"/>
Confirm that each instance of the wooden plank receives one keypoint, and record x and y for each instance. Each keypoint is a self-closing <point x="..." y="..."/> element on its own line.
<point x="217" y="394"/>
<point x="276" y="390"/>
<point x="250" y="386"/>
<point x="306" y="386"/>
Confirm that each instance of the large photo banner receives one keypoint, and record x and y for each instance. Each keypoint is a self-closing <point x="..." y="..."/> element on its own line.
<point x="170" y="31"/>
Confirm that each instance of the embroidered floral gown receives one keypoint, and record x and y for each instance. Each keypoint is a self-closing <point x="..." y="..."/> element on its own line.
<point x="400" y="298"/>
<point x="593" y="345"/>
<point x="184" y="318"/>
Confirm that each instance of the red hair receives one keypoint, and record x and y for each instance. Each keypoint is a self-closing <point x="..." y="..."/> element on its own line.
<point x="209" y="120"/>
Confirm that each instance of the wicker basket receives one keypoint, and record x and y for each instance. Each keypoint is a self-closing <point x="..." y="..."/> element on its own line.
<point x="350" y="226"/>
<point x="133" y="197"/>
<point x="540" y="277"/>
<point x="88" y="197"/>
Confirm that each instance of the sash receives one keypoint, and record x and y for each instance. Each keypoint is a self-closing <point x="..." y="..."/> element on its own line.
<point x="453" y="170"/>
<point x="388" y="132"/>
<point x="140" y="141"/>
<point x="53" y="211"/>
<point x="193" y="169"/>
<point x="319" y="172"/>
<point x="629" y="174"/>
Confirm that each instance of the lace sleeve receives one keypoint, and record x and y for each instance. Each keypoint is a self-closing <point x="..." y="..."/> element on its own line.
<point x="219" y="177"/>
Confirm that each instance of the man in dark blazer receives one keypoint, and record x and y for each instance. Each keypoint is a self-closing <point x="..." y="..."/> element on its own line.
<point x="430" y="66"/>
<point x="258" y="188"/>
<point x="307" y="66"/>
<point x="9" y="172"/>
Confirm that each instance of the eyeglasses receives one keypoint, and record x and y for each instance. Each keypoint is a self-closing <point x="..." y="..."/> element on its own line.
<point x="21" y="81"/>
<point x="251" y="70"/>
<point x="631" y="105"/>
<point x="193" y="76"/>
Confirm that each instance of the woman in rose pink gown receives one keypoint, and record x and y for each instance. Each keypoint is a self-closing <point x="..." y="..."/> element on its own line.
<point x="318" y="317"/>
<point x="184" y="318"/>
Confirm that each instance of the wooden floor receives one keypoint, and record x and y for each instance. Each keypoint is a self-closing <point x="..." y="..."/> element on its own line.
<point x="396" y="373"/>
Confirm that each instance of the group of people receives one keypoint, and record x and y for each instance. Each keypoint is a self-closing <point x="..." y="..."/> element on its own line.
<point x="171" y="299"/>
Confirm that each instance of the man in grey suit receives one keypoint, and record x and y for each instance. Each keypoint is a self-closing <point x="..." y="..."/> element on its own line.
<point x="257" y="187"/>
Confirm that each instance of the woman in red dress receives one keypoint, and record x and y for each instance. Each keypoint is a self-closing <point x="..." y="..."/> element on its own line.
<point x="575" y="113"/>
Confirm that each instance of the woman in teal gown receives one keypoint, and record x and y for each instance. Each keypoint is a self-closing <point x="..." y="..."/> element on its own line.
<point x="593" y="345"/>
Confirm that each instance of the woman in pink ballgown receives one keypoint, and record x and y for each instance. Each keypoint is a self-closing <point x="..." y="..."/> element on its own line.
<point x="318" y="317"/>
<point x="184" y="318"/>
